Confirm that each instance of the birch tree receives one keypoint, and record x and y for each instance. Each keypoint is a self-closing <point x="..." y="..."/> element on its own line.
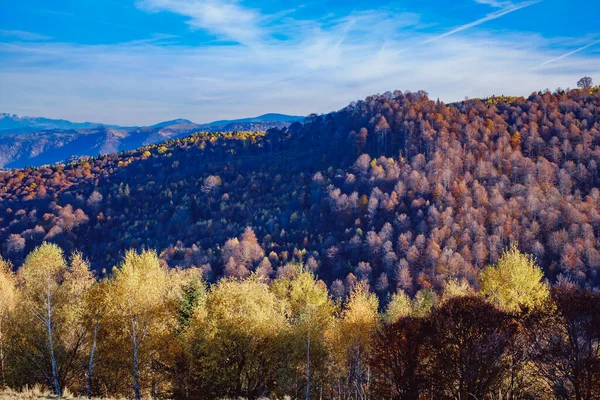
<point x="42" y="275"/>
<point x="310" y="312"/>
<point x="138" y="297"/>
<point x="95" y="306"/>
<point x="53" y="294"/>
<point x="77" y="284"/>
<point x="8" y="300"/>
<point x="238" y="342"/>
<point x="357" y="326"/>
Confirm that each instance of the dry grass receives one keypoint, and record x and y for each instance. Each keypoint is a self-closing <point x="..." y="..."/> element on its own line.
<point x="37" y="392"/>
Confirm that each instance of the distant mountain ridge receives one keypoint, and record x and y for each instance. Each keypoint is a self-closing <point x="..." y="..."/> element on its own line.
<point x="263" y="118"/>
<point x="179" y="121"/>
<point x="33" y="141"/>
<point x="14" y="123"/>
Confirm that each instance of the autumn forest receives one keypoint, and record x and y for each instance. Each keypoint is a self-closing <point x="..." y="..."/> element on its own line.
<point x="399" y="248"/>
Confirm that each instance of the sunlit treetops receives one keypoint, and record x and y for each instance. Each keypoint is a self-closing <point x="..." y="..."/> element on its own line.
<point x="150" y="331"/>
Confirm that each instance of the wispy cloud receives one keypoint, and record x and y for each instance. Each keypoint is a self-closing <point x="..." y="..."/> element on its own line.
<point x="490" y="17"/>
<point x="569" y="53"/>
<point x="226" y="19"/>
<point x="495" y="3"/>
<point x="143" y="83"/>
<point x="23" y="35"/>
<point x="282" y="64"/>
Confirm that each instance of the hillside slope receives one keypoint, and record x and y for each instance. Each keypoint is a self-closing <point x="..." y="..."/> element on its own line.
<point x="397" y="190"/>
<point x="28" y="141"/>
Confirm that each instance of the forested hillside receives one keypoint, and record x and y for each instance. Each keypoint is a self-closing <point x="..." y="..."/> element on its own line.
<point x="398" y="191"/>
<point x="34" y="142"/>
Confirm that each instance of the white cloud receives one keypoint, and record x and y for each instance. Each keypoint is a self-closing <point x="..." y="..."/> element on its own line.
<point x="494" y="3"/>
<point x="226" y="19"/>
<point x="490" y="17"/>
<point x="570" y="53"/>
<point x="322" y="66"/>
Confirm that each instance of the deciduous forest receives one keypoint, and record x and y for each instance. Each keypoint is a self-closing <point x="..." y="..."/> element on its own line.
<point x="398" y="248"/>
<point x="397" y="190"/>
<point x="153" y="332"/>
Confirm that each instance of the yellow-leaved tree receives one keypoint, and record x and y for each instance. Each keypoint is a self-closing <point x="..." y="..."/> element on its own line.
<point x="456" y="288"/>
<point x="310" y="313"/>
<point x="238" y="341"/>
<point x="355" y="331"/>
<point x="8" y="301"/>
<point x="79" y="281"/>
<point x="53" y="293"/>
<point x="94" y="321"/>
<point x="424" y="301"/>
<point x="514" y="282"/>
<point x="400" y="306"/>
<point x="140" y="306"/>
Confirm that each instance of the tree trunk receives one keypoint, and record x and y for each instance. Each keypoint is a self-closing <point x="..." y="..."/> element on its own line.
<point x="357" y="376"/>
<point x="91" y="363"/>
<point x="308" y="365"/>
<point x="136" y="375"/>
<point x="2" y="357"/>
<point x="48" y="321"/>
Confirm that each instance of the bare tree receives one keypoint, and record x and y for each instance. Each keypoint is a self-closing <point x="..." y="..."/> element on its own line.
<point x="585" y="83"/>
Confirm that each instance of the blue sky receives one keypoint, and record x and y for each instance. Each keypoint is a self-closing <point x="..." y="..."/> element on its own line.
<point x="141" y="62"/>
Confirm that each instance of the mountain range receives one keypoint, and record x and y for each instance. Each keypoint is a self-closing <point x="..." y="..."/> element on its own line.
<point x="16" y="124"/>
<point x="35" y="141"/>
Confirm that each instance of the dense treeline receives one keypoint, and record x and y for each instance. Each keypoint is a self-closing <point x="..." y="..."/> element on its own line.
<point x="152" y="331"/>
<point x="397" y="191"/>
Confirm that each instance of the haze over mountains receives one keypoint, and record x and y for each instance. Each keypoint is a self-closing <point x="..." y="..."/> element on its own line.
<point x="14" y="124"/>
<point x="35" y="141"/>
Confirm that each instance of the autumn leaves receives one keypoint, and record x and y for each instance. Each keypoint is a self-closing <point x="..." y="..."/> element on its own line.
<point x="150" y="331"/>
<point x="59" y="324"/>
